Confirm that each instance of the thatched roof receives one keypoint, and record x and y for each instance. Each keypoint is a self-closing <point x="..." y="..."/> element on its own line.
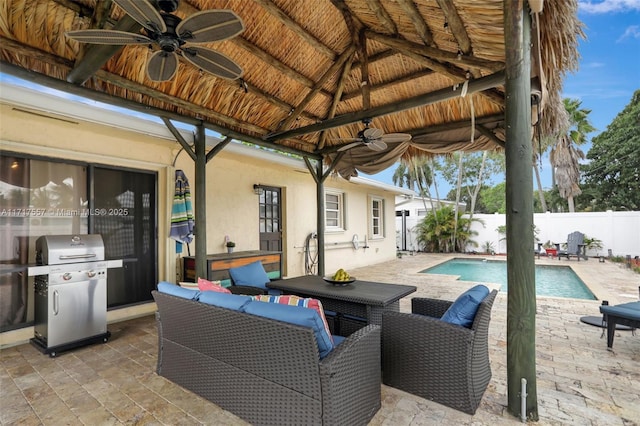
<point x="326" y="64"/>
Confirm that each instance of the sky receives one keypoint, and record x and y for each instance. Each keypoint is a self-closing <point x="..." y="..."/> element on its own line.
<point x="608" y="73"/>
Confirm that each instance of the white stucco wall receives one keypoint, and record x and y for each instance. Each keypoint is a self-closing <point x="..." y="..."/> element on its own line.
<point x="232" y="207"/>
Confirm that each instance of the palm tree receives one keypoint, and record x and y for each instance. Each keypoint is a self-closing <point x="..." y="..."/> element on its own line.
<point x="565" y="155"/>
<point x="416" y="172"/>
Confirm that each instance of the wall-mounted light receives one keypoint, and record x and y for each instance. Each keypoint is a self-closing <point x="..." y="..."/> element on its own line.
<point x="257" y="189"/>
<point x="15" y="165"/>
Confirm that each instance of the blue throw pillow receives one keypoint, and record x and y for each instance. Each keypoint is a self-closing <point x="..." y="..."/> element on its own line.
<point x="176" y="290"/>
<point x="252" y="275"/>
<point x="297" y="315"/>
<point x="223" y="300"/>
<point x="463" y="310"/>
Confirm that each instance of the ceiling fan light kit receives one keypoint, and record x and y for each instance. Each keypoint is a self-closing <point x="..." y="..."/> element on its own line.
<point x="173" y="36"/>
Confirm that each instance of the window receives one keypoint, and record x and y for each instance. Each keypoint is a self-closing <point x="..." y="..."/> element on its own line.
<point x="377" y="218"/>
<point x="334" y="211"/>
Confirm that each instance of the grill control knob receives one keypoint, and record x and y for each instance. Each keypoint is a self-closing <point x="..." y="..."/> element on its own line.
<point x="67" y="276"/>
<point x="91" y="273"/>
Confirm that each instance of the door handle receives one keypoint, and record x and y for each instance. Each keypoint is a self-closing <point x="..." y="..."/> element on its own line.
<point x="56" y="302"/>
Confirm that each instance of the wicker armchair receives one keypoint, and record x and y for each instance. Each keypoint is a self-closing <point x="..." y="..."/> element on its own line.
<point x="433" y="359"/>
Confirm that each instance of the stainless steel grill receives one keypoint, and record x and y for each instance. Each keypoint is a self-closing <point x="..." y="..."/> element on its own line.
<point x="70" y="292"/>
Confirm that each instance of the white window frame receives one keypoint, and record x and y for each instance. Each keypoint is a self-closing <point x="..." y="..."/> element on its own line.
<point x="338" y="222"/>
<point x="376" y="221"/>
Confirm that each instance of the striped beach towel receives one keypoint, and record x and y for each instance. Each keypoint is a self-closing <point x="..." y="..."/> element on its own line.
<point x="182" y="222"/>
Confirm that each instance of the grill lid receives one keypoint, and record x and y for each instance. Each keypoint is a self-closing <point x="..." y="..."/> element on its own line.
<point x="61" y="249"/>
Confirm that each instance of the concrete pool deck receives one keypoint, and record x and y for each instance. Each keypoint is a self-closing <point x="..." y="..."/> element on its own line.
<point x="579" y="382"/>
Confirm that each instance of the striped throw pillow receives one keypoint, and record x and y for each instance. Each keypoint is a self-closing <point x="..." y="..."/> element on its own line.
<point x="293" y="300"/>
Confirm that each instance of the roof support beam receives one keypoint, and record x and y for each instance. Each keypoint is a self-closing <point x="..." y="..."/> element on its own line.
<point x="283" y="68"/>
<point x="422" y="28"/>
<point x="437" y="54"/>
<point x="383" y="16"/>
<point x="456" y="25"/>
<point x="453" y="125"/>
<point x="489" y="134"/>
<point x="336" y="100"/>
<point x="316" y="88"/>
<point x="480" y="84"/>
<point x="374" y="87"/>
<point x="274" y="10"/>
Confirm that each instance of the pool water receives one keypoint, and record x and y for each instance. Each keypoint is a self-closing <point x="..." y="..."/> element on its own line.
<point x="556" y="281"/>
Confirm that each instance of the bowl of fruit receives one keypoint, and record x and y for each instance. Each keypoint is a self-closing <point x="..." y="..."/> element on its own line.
<point x="341" y="277"/>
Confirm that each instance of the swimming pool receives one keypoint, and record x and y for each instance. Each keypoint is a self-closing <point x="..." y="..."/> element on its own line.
<point x="556" y="281"/>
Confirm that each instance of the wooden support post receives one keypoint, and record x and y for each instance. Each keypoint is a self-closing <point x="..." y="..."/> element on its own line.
<point x="320" y="218"/>
<point x="200" y="230"/>
<point x="521" y="299"/>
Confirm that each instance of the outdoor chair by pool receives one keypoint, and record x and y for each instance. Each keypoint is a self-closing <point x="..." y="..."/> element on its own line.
<point x="575" y="247"/>
<point x="434" y="359"/>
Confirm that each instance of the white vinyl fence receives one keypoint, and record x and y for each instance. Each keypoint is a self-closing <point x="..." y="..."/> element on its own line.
<point x="618" y="231"/>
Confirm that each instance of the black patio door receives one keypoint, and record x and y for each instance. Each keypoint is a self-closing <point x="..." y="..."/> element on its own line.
<point x="270" y="219"/>
<point x="125" y="215"/>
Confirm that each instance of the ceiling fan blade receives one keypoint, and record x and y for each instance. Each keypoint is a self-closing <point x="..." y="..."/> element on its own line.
<point x="162" y="66"/>
<point x="108" y="37"/>
<point x="350" y="145"/>
<point x="212" y="62"/>
<point x="143" y="13"/>
<point x="372" y="133"/>
<point x="210" y="25"/>
<point x="396" y="137"/>
<point x="377" y="145"/>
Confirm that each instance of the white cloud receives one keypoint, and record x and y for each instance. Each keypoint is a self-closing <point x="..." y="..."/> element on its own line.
<point x="594" y="65"/>
<point x="631" y="32"/>
<point x="609" y="6"/>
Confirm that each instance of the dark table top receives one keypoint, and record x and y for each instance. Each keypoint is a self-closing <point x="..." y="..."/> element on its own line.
<point x="365" y="292"/>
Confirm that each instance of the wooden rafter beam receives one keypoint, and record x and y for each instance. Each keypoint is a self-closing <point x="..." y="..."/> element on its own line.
<point x="316" y="88"/>
<point x="453" y="125"/>
<point x="490" y="135"/>
<point x="353" y="23"/>
<point x="376" y="57"/>
<point x="281" y="67"/>
<point x="419" y="23"/>
<point x="454" y="73"/>
<point x="384" y="85"/>
<point x="275" y="101"/>
<point x="364" y="71"/>
<point x="437" y="54"/>
<point x="383" y="16"/>
<point x="274" y="10"/>
<point x="446" y="93"/>
<point x="336" y="99"/>
<point x="456" y="26"/>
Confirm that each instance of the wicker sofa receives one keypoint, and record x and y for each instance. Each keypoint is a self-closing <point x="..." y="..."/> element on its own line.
<point x="267" y="371"/>
<point x="436" y="360"/>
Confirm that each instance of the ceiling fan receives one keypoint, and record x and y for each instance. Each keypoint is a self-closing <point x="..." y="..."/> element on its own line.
<point x="173" y="36"/>
<point x="374" y="139"/>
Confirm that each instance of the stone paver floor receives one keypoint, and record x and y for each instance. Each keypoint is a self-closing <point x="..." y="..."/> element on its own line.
<point x="579" y="381"/>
